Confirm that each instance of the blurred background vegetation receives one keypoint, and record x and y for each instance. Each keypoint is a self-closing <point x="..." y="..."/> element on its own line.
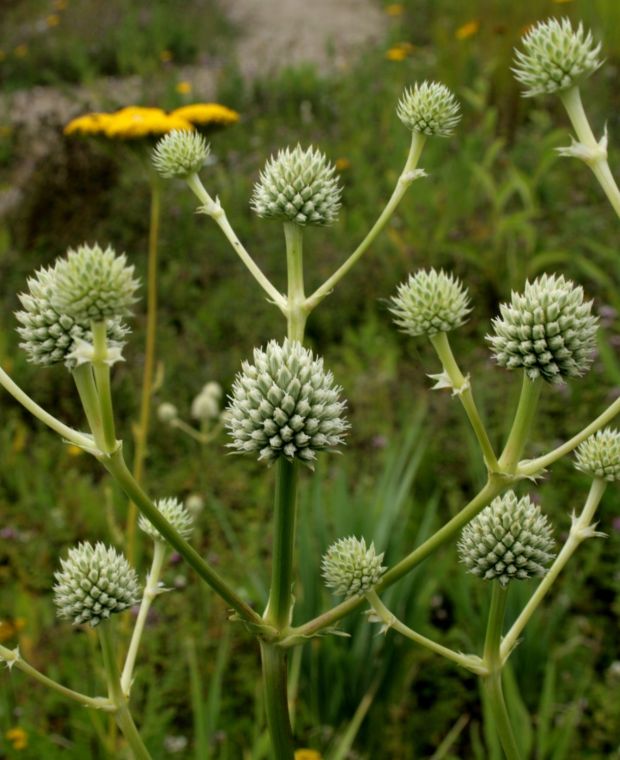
<point x="498" y="206"/>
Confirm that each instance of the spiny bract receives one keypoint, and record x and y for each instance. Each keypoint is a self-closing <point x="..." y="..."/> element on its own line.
<point x="285" y="404"/>
<point x="180" y="154"/>
<point x="548" y="330"/>
<point x="430" y="109"/>
<point x="599" y="455"/>
<point x="93" y="583"/>
<point x="556" y="57"/>
<point x="176" y="514"/>
<point x="430" y="302"/>
<point x="509" y="540"/>
<point x="350" y="568"/>
<point x="298" y="186"/>
<point x="48" y="335"/>
<point x="94" y="284"/>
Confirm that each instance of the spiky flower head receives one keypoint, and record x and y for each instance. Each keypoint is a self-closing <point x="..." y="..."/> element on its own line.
<point x="206" y="405"/>
<point x="599" y="455"/>
<point x="176" y="514"/>
<point x="93" y="583"/>
<point x="180" y="153"/>
<point x="430" y="302"/>
<point x="430" y="109"/>
<point x="93" y="284"/>
<point x="285" y="404"/>
<point x="298" y="186"/>
<point x="556" y="57"/>
<point x="167" y="412"/>
<point x="48" y="334"/>
<point x="509" y="540"/>
<point x="351" y="568"/>
<point x="548" y="330"/>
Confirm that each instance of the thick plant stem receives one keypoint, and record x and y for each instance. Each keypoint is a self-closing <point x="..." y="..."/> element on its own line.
<point x="408" y="175"/>
<point x="101" y="371"/>
<point x="296" y="311"/>
<point x="116" y="466"/>
<point x="462" y="388"/>
<point x="597" y="160"/>
<point x="493" y="682"/>
<point x="84" y="380"/>
<point x="581" y="529"/>
<point x="142" y="432"/>
<point x="520" y="430"/>
<point x="273" y="660"/>
<point x="122" y="714"/>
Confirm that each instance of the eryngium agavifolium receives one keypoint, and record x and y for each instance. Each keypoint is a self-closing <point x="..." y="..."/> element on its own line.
<point x="599" y="455"/>
<point x="180" y="153"/>
<point x="548" y="330"/>
<point x="93" y="583"/>
<point x="298" y="186"/>
<point x="430" y="109"/>
<point x="556" y="57"/>
<point x="48" y="335"/>
<point x="430" y="302"/>
<point x="176" y="514"/>
<point x="285" y="404"/>
<point x="350" y="568"/>
<point x="94" y="284"/>
<point x="509" y="540"/>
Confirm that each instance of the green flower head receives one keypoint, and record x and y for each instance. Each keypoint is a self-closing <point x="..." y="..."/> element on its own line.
<point x="599" y="455"/>
<point x="351" y="568"/>
<point x="430" y="109"/>
<point x="176" y="514"/>
<point x="180" y="153"/>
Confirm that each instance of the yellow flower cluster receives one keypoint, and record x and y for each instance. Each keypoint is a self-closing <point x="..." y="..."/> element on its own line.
<point x="136" y="121"/>
<point x="18" y="737"/>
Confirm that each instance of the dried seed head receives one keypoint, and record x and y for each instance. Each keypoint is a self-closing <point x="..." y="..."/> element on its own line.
<point x="599" y="455"/>
<point x="176" y="514"/>
<point x="180" y="153"/>
<point x="430" y="109"/>
<point x="349" y="568"/>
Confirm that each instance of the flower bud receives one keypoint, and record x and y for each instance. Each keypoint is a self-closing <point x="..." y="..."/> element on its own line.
<point x="285" y="404"/>
<point x="599" y="455"/>
<point x="548" y="330"/>
<point x="176" y="514"/>
<point x="430" y="302"/>
<point x="349" y="568"/>
<point x="194" y="504"/>
<point x="180" y="153"/>
<point x="93" y="583"/>
<point x="167" y="412"/>
<point x="298" y="186"/>
<point x="509" y="540"/>
<point x="430" y="109"/>
<point x="92" y="284"/>
<point x="556" y="57"/>
<point x="205" y="407"/>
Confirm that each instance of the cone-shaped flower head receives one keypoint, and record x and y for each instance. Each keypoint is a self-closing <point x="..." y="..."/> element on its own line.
<point x="285" y="404"/>
<point x="351" y="568"/>
<point x="48" y="334"/>
<point x="430" y="302"/>
<point x="510" y="539"/>
<point x="548" y="330"/>
<point x="298" y="186"/>
<point x="176" y="514"/>
<point x="555" y="57"/>
<point x="180" y="153"/>
<point x="599" y="455"/>
<point x="93" y="583"/>
<point x="430" y="109"/>
<point x="94" y="284"/>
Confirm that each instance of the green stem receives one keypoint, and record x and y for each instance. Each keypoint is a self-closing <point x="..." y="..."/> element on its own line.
<point x="470" y="662"/>
<point x="276" y="704"/>
<point x="534" y="466"/>
<point x="66" y="432"/>
<point x="494" y="486"/>
<point x="462" y="389"/>
<point x="85" y="383"/>
<point x="151" y="590"/>
<point x="571" y="99"/>
<point x="581" y="529"/>
<point x="519" y="432"/>
<point x="101" y="372"/>
<point x="116" y="466"/>
<point x="493" y="682"/>
<point x="13" y="658"/>
<point x="408" y="175"/>
<point x="123" y="715"/>
<point x="216" y="212"/>
<point x="280" y="596"/>
<point x="297" y="313"/>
